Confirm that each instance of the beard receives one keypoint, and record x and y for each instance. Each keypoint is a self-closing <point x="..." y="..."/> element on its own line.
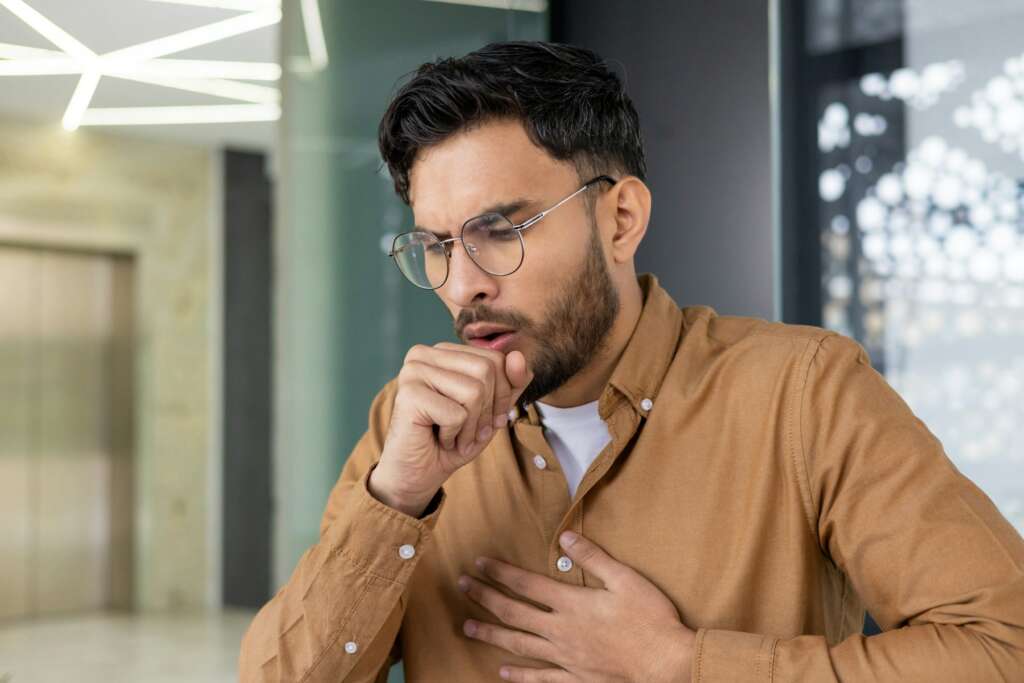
<point x="574" y="329"/>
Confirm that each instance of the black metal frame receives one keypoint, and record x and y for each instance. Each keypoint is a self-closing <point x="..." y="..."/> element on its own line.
<point x="802" y="77"/>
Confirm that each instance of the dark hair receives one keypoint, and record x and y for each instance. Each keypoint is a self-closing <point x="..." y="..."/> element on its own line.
<point x="567" y="99"/>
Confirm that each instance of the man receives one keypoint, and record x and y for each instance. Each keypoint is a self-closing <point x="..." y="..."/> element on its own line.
<point x="599" y="486"/>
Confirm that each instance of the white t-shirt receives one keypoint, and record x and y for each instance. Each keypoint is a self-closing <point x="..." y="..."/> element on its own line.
<point x="577" y="435"/>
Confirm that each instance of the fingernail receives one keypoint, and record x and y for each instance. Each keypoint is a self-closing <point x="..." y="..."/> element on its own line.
<point x="503" y="672"/>
<point x="463" y="584"/>
<point x="469" y="627"/>
<point x="466" y="448"/>
<point x="484" y="433"/>
<point x="567" y="539"/>
<point x="500" y="420"/>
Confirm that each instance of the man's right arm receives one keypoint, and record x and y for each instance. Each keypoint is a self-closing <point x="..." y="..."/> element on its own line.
<point x="338" y="616"/>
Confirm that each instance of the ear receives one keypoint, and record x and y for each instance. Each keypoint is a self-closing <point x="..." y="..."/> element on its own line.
<point x="630" y="200"/>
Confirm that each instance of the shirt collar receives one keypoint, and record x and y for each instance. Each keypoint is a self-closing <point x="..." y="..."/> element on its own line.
<point x="642" y="366"/>
<point x="649" y="351"/>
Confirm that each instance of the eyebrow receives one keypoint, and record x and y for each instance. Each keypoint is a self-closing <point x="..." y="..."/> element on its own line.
<point x="505" y="209"/>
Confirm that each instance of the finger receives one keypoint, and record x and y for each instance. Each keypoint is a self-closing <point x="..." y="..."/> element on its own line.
<point x="529" y="675"/>
<point x="465" y="389"/>
<point x="512" y="612"/>
<point x="464" y="359"/>
<point x="502" y="386"/>
<point x="432" y="408"/>
<point x="516" y="642"/>
<point x="592" y="558"/>
<point x="537" y="587"/>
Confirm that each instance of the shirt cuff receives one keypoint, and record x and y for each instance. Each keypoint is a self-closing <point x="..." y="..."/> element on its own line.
<point x="382" y="540"/>
<point x="733" y="656"/>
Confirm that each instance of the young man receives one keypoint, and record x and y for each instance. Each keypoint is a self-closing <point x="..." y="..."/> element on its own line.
<point x="735" y="491"/>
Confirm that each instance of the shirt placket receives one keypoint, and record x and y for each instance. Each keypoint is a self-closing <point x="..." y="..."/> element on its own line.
<point x="557" y="512"/>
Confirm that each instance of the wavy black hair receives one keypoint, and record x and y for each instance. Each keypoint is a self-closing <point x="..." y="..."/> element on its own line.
<point x="567" y="99"/>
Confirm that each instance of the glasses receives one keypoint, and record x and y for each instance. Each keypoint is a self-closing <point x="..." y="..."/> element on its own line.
<point x="493" y="242"/>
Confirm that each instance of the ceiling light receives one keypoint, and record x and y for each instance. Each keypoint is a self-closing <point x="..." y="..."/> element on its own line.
<point x="80" y="99"/>
<point x="523" y="5"/>
<point x="186" y="40"/>
<point x="148" y="116"/>
<point x="145" y="63"/>
<point x="49" y="30"/>
<point x="241" y="5"/>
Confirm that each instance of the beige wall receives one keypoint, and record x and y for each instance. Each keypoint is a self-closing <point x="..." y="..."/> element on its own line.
<point x="158" y="202"/>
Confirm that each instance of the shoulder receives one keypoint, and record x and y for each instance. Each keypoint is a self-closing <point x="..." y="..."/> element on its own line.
<point x="734" y="331"/>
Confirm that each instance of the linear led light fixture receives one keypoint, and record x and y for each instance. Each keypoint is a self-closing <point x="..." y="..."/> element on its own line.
<point x="521" y="5"/>
<point x="146" y="62"/>
<point x="196" y="37"/>
<point x="148" y="116"/>
<point x="230" y="90"/>
<point x="239" y="5"/>
<point x="47" y="29"/>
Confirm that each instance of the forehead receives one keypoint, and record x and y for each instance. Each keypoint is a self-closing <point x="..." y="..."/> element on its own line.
<point x="474" y="170"/>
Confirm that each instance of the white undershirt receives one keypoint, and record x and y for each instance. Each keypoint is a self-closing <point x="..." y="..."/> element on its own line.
<point x="577" y="435"/>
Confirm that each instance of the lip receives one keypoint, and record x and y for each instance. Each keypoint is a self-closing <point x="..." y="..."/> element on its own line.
<point x="483" y="329"/>
<point x="499" y="343"/>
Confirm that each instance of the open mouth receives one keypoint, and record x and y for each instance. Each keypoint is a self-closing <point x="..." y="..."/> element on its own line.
<point x="497" y="341"/>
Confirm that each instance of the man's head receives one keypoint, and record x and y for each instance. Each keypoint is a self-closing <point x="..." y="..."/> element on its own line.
<point x="522" y="126"/>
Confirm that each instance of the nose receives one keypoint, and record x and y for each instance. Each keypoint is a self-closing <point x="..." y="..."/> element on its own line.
<point x="467" y="282"/>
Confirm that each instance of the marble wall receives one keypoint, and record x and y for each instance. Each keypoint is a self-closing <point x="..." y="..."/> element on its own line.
<point x="159" y="203"/>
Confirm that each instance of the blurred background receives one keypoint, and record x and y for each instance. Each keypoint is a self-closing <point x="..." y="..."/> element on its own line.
<point x="196" y="306"/>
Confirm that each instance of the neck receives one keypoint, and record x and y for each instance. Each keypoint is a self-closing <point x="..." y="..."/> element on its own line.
<point x="587" y="384"/>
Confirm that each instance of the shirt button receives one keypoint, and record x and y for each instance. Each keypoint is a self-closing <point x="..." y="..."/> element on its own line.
<point x="351" y="647"/>
<point x="647" y="404"/>
<point x="406" y="552"/>
<point x="564" y="564"/>
<point x="540" y="462"/>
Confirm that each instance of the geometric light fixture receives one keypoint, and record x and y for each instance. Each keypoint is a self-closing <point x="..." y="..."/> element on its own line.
<point x="148" y="62"/>
<point x="521" y="5"/>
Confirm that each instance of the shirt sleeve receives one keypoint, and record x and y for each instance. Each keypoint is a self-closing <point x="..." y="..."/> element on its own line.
<point x="928" y="553"/>
<point x="338" y="617"/>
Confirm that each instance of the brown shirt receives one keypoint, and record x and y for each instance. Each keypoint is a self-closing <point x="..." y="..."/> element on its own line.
<point x="762" y="475"/>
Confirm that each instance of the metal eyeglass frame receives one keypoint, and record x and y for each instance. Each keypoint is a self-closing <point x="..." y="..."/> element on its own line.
<point x="518" y="228"/>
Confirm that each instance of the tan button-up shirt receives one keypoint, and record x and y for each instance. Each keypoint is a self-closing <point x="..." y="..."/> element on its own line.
<point x="762" y="475"/>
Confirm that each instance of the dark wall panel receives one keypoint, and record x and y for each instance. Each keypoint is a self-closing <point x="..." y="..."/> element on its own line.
<point x="247" y="380"/>
<point x="698" y="73"/>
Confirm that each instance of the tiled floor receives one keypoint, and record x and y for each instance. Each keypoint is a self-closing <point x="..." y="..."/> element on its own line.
<point x="123" y="648"/>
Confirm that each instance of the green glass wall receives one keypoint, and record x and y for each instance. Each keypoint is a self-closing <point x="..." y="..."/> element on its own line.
<point x="344" y="317"/>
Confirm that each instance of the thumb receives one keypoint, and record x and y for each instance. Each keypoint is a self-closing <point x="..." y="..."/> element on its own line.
<point x="593" y="559"/>
<point x="519" y="376"/>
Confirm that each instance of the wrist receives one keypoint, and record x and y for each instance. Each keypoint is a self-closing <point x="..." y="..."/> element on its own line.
<point x="381" y="487"/>
<point x="675" y="665"/>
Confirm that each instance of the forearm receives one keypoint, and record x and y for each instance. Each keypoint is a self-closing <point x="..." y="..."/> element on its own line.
<point x="344" y="592"/>
<point x="931" y="652"/>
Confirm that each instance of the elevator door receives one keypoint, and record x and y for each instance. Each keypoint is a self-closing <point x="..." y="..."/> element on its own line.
<point x="66" y="361"/>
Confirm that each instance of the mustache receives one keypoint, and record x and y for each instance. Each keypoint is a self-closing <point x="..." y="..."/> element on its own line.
<point x="485" y="314"/>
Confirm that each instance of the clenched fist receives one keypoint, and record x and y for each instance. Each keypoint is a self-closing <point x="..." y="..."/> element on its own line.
<point x="451" y="399"/>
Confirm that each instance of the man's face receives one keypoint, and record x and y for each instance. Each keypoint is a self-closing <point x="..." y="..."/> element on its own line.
<point x="561" y="302"/>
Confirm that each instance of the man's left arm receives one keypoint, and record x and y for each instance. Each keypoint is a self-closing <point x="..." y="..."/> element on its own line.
<point x="936" y="564"/>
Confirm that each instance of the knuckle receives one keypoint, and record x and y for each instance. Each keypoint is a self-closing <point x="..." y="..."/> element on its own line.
<point x="517" y="644"/>
<point x="409" y="369"/>
<point x="506" y="613"/>
<point x="520" y="584"/>
<point x="414" y="352"/>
